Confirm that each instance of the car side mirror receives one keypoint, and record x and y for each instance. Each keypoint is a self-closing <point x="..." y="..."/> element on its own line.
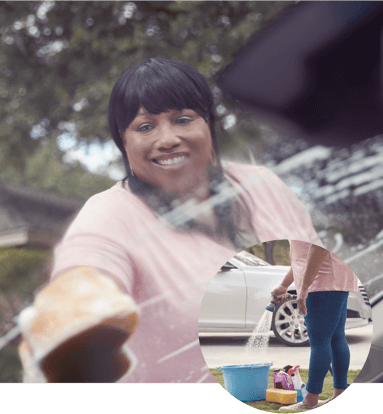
<point x="227" y="266"/>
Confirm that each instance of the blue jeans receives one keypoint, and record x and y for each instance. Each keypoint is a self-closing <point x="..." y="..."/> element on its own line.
<point x="325" y="322"/>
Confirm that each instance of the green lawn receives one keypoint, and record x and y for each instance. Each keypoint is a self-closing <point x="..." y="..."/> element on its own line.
<point x="274" y="407"/>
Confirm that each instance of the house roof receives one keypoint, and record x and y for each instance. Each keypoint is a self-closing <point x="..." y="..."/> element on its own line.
<point x="30" y="209"/>
<point x="23" y="209"/>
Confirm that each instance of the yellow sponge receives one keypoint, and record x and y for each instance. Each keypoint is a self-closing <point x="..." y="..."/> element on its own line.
<point x="281" y="396"/>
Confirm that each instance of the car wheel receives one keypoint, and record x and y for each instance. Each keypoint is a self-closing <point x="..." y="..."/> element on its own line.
<point x="289" y="325"/>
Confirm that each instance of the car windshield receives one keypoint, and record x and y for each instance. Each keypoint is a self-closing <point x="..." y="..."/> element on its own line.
<point x="250" y="260"/>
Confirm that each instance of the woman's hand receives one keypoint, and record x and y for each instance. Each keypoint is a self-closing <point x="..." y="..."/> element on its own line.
<point x="77" y="326"/>
<point x="279" y="291"/>
<point x="301" y="301"/>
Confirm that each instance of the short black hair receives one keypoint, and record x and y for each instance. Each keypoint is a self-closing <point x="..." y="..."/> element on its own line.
<point x="158" y="85"/>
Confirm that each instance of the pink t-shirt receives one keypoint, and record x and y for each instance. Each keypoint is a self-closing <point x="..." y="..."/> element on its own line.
<point x="333" y="274"/>
<point x="167" y="270"/>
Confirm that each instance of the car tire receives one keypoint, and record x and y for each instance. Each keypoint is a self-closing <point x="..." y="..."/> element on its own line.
<point x="288" y="325"/>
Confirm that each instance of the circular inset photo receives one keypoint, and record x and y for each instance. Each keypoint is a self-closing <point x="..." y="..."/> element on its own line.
<point x="285" y="326"/>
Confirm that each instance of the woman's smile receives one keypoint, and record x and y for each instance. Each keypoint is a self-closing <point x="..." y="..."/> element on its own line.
<point x="172" y="161"/>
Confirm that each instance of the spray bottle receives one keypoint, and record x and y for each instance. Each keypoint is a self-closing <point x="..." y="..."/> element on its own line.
<point x="299" y="386"/>
<point x="271" y="305"/>
<point x="296" y="374"/>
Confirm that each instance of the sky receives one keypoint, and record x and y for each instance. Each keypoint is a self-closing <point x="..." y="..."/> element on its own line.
<point x="95" y="157"/>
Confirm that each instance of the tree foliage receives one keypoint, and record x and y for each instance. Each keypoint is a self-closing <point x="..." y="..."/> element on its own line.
<point x="59" y="61"/>
<point x="16" y="267"/>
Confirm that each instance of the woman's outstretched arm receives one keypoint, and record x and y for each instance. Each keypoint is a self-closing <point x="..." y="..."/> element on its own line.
<point x="76" y="329"/>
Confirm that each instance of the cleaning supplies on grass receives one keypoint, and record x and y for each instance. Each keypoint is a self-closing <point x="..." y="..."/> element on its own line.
<point x="289" y="369"/>
<point x="295" y="374"/>
<point x="281" y="396"/>
<point x="289" y="379"/>
<point x="282" y="380"/>
<point x="299" y="386"/>
<point x="301" y="393"/>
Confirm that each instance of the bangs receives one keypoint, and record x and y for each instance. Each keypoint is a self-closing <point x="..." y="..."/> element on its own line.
<point x="159" y="88"/>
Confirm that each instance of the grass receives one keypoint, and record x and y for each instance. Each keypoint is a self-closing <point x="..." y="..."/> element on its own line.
<point x="274" y="407"/>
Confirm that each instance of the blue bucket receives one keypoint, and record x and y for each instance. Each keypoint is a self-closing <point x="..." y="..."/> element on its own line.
<point x="247" y="382"/>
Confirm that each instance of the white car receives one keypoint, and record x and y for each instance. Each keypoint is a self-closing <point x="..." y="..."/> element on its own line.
<point x="237" y="297"/>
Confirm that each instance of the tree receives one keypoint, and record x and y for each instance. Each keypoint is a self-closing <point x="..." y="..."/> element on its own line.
<point x="59" y="61"/>
<point x="268" y="246"/>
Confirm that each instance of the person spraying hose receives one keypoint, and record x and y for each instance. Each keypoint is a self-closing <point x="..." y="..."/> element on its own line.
<point x="323" y="283"/>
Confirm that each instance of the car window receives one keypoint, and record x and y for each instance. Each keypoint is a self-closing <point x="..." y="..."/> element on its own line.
<point x="250" y="261"/>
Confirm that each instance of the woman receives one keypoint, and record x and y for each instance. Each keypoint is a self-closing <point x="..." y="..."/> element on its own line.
<point x="159" y="236"/>
<point x="323" y="283"/>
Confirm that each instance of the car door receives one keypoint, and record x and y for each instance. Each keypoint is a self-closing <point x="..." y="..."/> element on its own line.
<point x="223" y="307"/>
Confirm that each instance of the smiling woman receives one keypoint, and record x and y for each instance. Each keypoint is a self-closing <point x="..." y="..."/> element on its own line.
<point x="162" y="118"/>
<point x="135" y="262"/>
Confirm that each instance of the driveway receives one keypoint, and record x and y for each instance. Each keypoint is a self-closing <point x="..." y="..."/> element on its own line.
<point x="230" y="349"/>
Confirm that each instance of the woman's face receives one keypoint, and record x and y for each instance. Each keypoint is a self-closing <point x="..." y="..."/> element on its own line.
<point x="171" y="150"/>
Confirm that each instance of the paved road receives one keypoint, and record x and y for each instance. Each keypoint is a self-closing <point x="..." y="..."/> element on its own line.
<point x="230" y="349"/>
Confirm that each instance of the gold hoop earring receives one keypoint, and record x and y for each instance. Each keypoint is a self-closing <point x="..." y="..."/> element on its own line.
<point x="131" y="170"/>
